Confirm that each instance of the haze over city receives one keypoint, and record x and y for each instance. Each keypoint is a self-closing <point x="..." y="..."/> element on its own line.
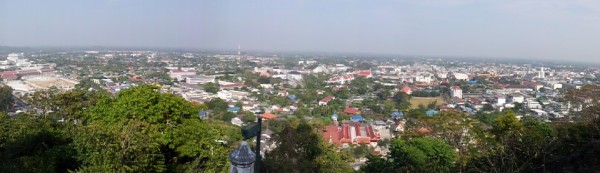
<point x="348" y="86"/>
<point x="544" y="29"/>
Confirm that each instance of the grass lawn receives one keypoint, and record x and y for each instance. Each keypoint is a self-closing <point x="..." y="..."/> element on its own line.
<point x="415" y="101"/>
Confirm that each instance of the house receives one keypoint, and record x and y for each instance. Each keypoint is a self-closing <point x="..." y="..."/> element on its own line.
<point x="397" y="115"/>
<point x="399" y="126"/>
<point x="257" y="111"/>
<point x="455" y="91"/>
<point x="282" y="93"/>
<point x="268" y="116"/>
<point x="423" y="130"/>
<point x="237" y="121"/>
<point x="432" y="112"/>
<point x="292" y="98"/>
<point x="326" y="100"/>
<point x="334" y="117"/>
<point x="203" y="114"/>
<point x="406" y="90"/>
<point x="234" y="109"/>
<point x="275" y="107"/>
<point x="351" y="111"/>
<point x="357" y="118"/>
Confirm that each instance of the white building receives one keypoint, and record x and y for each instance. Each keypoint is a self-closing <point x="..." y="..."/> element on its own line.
<point x="541" y="73"/>
<point x="424" y="78"/>
<point x="455" y="91"/>
<point x="516" y="98"/>
<point x="13" y="58"/>
<point x="180" y="74"/>
<point x="199" y="79"/>
<point x="461" y="76"/>
<point x="320" y="69"/>
<point x="237" y="121"/>
<point x="531" y="103"/>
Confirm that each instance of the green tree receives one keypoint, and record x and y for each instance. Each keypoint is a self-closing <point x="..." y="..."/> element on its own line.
<point x="360" y="85"/>
<point x="389" y="107"/>
<point x="304" y="152"/>
<point x="124" y="148"/>
<point x="416" y="155"/>
<point x="5" y="97"/>
<point x="217" y="104"/>
<point x="211" y="87"/>
<point x="30" y="144"/>
<point x="248" y="116"/>
<point x="403" y="100"/>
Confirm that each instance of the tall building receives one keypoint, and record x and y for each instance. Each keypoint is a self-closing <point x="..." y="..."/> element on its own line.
<point x="455" y="91"/>
<point x="541" y="73"/>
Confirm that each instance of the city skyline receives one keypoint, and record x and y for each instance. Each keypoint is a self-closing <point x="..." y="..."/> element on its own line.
<point x="549" y="30"/>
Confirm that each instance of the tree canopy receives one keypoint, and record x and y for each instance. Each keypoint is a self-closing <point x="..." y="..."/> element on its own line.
<point x="137" y="130"/>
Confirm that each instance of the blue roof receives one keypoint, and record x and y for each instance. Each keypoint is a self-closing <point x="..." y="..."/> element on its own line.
<point x="469" y="109"/>
<point x="292" y="97"/>
<point x="472" y="82"/>
<point x="431" y="112"/>
<point x="356" y="118"/>
<point x="233" y="108"/>
<point x="202" y="113"/>
<point x="397" y="114"/>
<point x="335" y="116"/>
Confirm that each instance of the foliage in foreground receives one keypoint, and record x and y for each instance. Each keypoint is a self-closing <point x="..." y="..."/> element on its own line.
<point x="138" y="130"/>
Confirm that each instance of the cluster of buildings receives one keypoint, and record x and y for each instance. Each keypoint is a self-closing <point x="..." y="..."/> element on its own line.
<point x="469" y="87"/>
<point x="27" y="77"/>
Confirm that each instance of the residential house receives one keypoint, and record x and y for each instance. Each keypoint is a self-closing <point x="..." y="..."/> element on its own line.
<point x="406" y="90"/>
<point x="326" y="100"/>
<point x="351" y="111"/>
<point x="237" y="121"/>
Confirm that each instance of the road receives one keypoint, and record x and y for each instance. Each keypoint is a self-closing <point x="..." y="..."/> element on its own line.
<point x="20" y="104"/>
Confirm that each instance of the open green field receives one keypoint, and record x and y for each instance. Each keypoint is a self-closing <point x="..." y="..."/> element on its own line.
<point x="415" y="101"/>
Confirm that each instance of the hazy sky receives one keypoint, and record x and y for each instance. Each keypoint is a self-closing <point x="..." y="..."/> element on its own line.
<point x="551" y="29"/>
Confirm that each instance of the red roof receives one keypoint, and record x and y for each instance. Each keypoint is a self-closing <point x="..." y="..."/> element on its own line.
<point x="406" y="89"/>
<point x="423" y="130"/>
<point x="268" y="116"/>
<point x="350" y="110"/>
<point x="365" y="73"/>
<point x="332" y="134"/>
<point x="327" y="99"/>
<point x="11" y="74"/>
<point x="456" y="88"/>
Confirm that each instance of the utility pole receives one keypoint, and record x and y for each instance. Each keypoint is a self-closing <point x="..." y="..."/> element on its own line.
<point x="250" y="132"/>
<point x="258" y="157"/>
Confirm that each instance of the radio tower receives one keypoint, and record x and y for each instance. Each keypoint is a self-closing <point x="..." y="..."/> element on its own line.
<point x="239" y="55"/>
